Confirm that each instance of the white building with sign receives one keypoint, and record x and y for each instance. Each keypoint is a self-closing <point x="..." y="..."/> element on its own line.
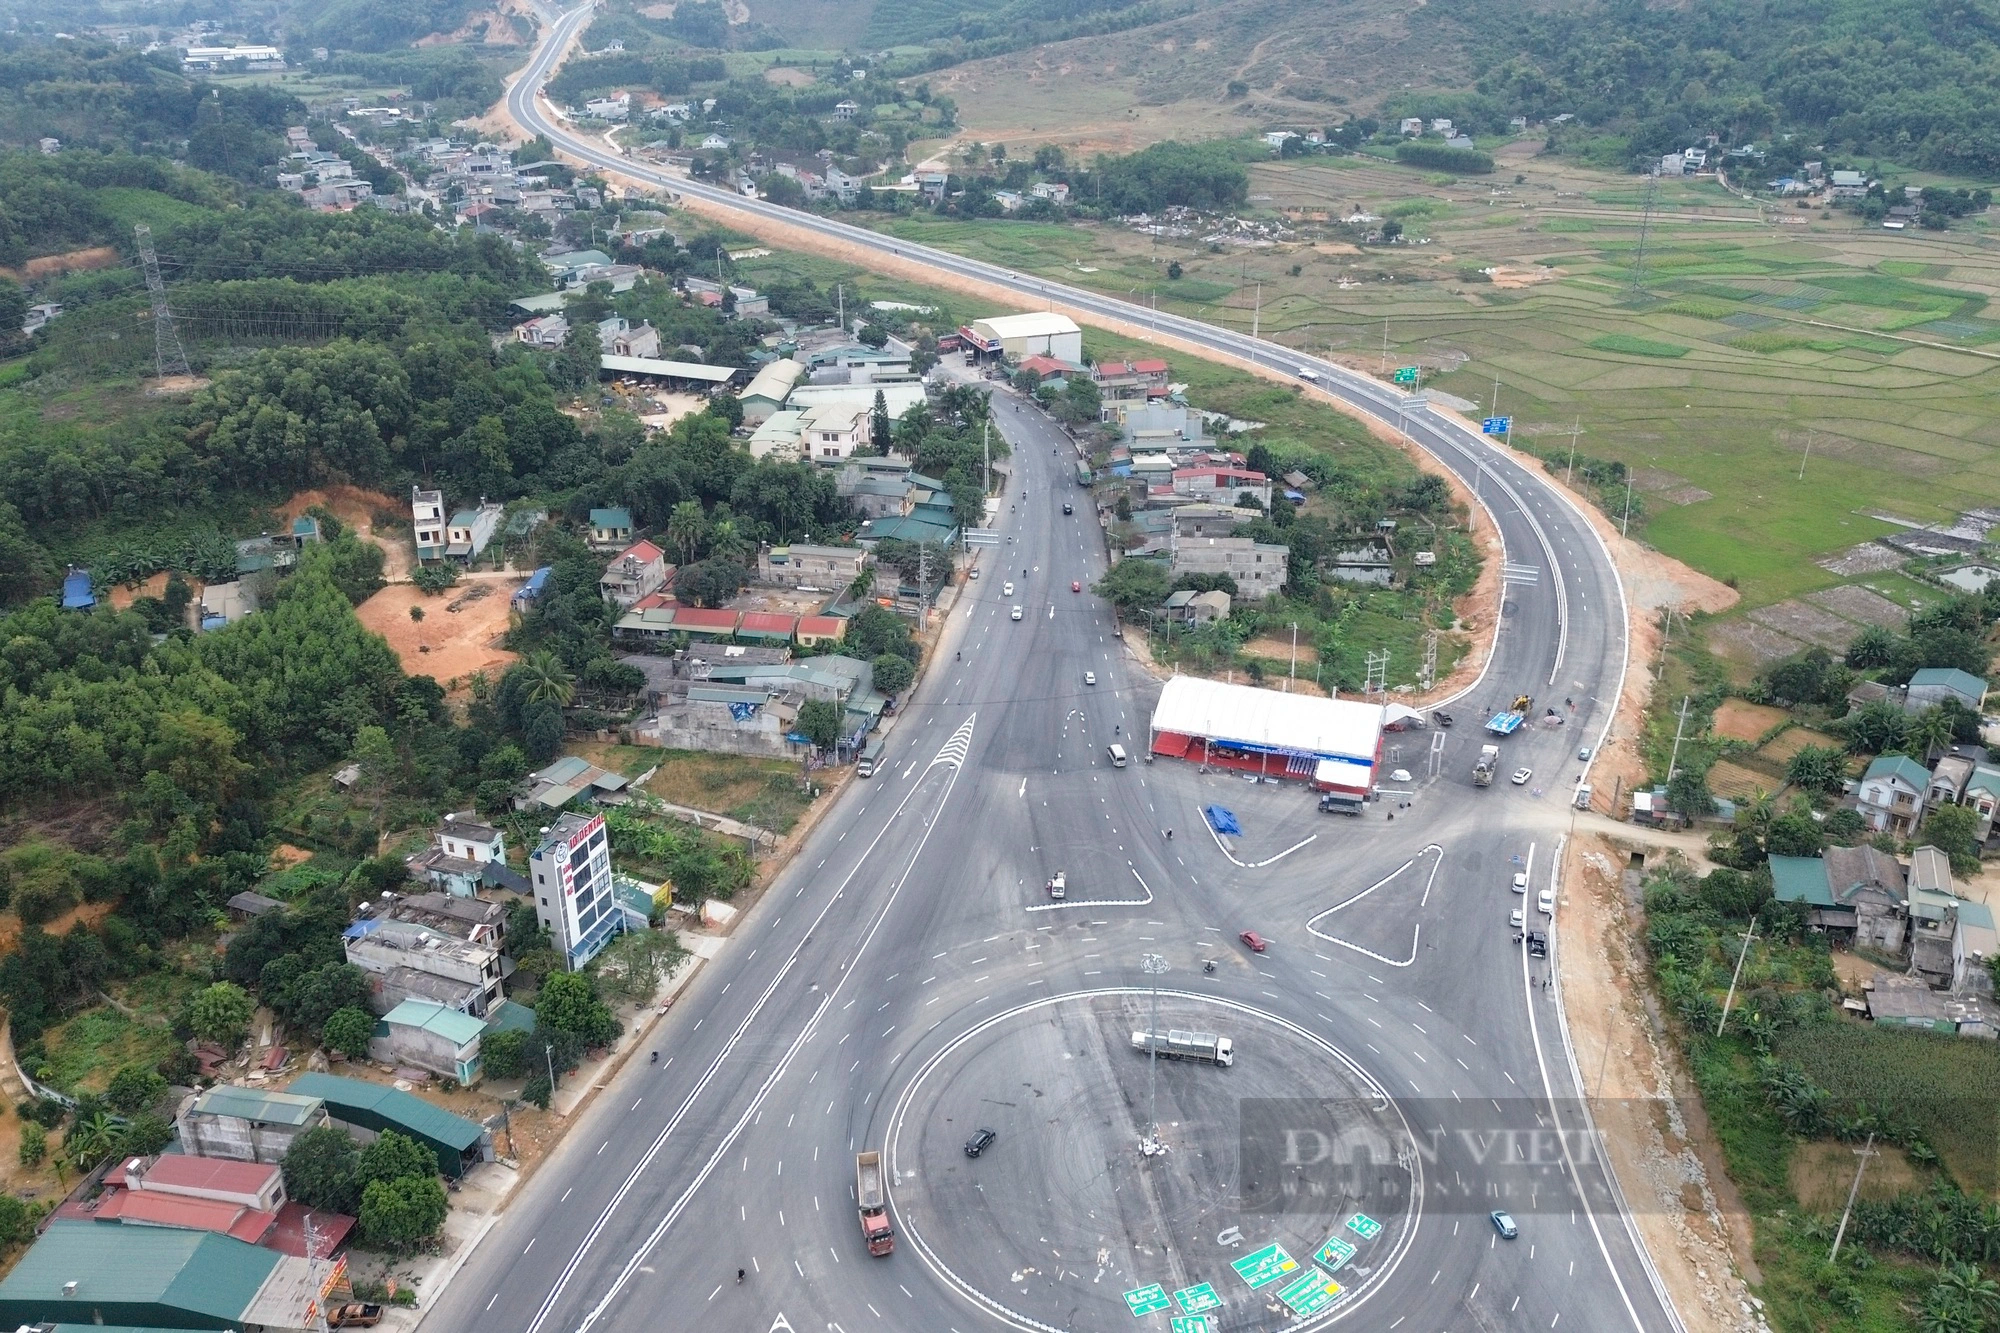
<point x="570" y="872"/>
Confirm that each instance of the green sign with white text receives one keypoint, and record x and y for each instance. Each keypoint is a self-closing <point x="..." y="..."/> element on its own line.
<point x="1311" y="1293"/>
<point x="1147" y="1300"/>
<point x="1334" y="1253"/>
<point x="1405" y="375"/>
<point x="1197" y="1298"/>
<point x="1364" y="1226"/>
<point x="1265" y="1266"/>
<point x="1189" y="1323"/>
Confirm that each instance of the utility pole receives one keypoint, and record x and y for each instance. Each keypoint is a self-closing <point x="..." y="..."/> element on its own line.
<point x="1576" y="425"/>
<point x="1736" y="976"/>
<point x="1625" y="524"/>
<point x="1679" y="727"/>
<point x="1155" y="967"/>
<point x="169" y="358"/>
<point x="1802" y="461"/>
<point x="1665" y="641"/>
<point x="1257" y="311"/>
<point x="1293" y="674"/>
<point x="840" y="299"/>
<point x="549" y="1054"/>
<point x="1385" y="347"/>
<point x="1864" y="1152"/>
<point x="1645" y="231"/>
<point x="986" y="454"/>
<point x="1493" y="410"/>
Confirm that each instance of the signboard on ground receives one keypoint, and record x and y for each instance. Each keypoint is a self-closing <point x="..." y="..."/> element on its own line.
<point x="1364" y="1226"/>
<point x="1334" y="1253"/>
<point x="1197" y="1298"/>
<point x="1311" y="1293"/>
<point x="1188" y="1323"/>
<point x="1147" y="1300"/>
<point x="1265" y="1266"/>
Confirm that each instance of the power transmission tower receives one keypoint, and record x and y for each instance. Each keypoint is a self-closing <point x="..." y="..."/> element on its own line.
<point x="1645" y="230"/>
<point x="168" y="356"/>
<point x="1378" y="673"/>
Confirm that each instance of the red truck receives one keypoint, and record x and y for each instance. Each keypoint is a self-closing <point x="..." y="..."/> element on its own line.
<point x="875" y="1228"/>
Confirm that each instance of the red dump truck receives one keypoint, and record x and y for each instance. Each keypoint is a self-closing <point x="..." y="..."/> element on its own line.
<point x="875" y="1228"/>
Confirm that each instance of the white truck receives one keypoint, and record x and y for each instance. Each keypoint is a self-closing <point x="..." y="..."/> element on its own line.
<point x="1482" y="771"/>
<point x="1205" y="1047"/>
<point x="1058" y="886"/>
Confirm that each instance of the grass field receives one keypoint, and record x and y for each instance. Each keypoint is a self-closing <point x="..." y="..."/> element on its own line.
<point x="1752" y="335"/>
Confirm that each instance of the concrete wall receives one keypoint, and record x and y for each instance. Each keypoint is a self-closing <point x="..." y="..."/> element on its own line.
<point x="239" y="1140"/>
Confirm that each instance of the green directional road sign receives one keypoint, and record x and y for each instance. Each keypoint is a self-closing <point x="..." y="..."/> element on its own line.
<point x="1364" y="1226"/>
<point x="1311" y="1293"/>
<point x="1189" y="1323"/>
<point x="1265" y="1266"/>
<point x="1197" y="1298"/>
<point x="1334" y="1253"/>
<point x="1147" y="1300"/>
<point x="1405" y="375"/>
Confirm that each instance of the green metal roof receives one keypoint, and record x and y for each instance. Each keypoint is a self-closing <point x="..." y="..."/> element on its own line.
<point x="146" y="1276"/>
<point x="453" y="1026"/>
<point x="1962" y="682"/>
<point x="1900" y="766"/>
<point x="373" y="1106"/>
<point x="1800" y="879"/>
<point x="270" y="1108"/>
<point x="510" y="1016"/>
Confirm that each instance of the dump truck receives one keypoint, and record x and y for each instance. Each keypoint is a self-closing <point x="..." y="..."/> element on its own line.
<point x="1205" y="1047"/>
<point x="875" y="1228"/>
<point x="1482" y="771"/>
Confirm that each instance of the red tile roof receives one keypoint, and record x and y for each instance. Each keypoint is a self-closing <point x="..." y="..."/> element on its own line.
<point x="642" y="551"/>
<point x="1152" y="366"/>
<point x="654" y="600"/>
<point x="822" y="626"/>
<point x="152" y="1208"/>
<point x="1234" y="473"/>
<point x="691" y="617"/>
<point x="1045" y="365"/>
<point x="763" y="622"/>
<point x="176" y="1172"/>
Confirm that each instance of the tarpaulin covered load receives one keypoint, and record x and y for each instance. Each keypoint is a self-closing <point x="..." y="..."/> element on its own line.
<point x="1222" y="821"/>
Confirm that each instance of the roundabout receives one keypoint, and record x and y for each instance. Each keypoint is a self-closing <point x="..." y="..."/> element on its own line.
<point x="1288" y="1186"/>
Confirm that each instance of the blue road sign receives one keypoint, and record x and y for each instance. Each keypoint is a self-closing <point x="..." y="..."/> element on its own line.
<point x="1497" y="425"/>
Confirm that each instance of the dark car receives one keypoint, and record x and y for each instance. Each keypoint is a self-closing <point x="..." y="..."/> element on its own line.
<point x="1068" y="510"/>
<point x="980" y="1142"/>
<point x="1254" y="940"/>
<point x="1502" y="1223"/>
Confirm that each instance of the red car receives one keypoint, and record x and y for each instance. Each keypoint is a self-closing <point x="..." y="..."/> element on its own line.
<point x="1256" y="942"/>
<point x="1075" y="586"/>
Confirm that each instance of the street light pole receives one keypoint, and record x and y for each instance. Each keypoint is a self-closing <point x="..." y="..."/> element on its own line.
<point x="1154" y="966"/>
<point x="1294" y="673"/>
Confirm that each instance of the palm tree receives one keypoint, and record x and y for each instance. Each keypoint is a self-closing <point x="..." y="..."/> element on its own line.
<point x="726" y="541"/>
<point x="1930" y="733"/>
<point x="687" y="528"/>
<point x="549" y="681"/>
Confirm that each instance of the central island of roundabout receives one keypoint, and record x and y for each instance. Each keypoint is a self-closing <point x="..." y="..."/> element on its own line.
<point x="1279" y="1190"/>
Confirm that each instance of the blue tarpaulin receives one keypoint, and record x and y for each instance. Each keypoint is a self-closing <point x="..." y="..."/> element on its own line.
<point x="1222" y="821"/>
<point x="742" y="712"/>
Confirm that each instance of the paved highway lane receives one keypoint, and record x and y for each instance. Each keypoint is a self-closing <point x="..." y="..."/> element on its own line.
<point x="915" y="913"/>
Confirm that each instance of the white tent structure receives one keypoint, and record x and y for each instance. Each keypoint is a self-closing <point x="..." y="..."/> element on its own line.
<point x="1332" y="742"/>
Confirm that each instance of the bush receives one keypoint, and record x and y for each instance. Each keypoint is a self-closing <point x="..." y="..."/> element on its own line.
<point x="399" y="1215"/>
<point x="220" y="1014"/>
<point x="135" y="1088"/>
<point x="347" y="1030"/>
<point x="322" y="1170"/>
<point x="434" y="579"/>
<point x="1442" y="157"/>
<point x="34" y="1144"/>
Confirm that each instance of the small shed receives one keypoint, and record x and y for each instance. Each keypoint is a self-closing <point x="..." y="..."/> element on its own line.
<point x="77" y="594"/>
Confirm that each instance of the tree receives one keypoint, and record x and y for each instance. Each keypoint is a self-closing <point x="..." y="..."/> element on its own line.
<point x="635" y="964"/>
<point x="220" y="1014"/>
<point x="710" y="583"/>
<point x="687" y="528"/>
<point x="1816" y="768"/>
<point x="1174" y="270"/>
<point x="1954" y="830"/>
<point x="547" y="679"/>
<point x="34" y="1144"/>
<point x="880" y="428"/>
<point x="1687" y="792"/>
<point x="569" y="1003"/>
<point x="1874" y="728"/>
<point x="893" y="674"/>
<point x="819" y="722"/>
<point x="347" y="1030"/>
<point x="1134" y="585"/>
<point x="135" y="1088"/>
<point x="399" y="1215"/>
<point x="1931" y="732"/>
<point x="417" y="614"/>
<point x="322" y="1170"/>
<point x="872" y="335"/>
<point x="504" y="1054"/>
<point x="394" y="1156"/>
<point x="727" y="407"/>
<point x="89" y="1141"/>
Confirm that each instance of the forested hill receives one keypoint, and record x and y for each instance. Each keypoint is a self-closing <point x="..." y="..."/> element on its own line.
<point x="1917" y="81"/>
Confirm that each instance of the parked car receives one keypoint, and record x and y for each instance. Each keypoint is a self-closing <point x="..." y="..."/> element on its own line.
<point x="979" y="1142"/>
<point x="1520" y="881"/>
<point x="1583" y="753"/>
<point x="1256" y="942"/>
<point x="355" y="1314"/>
<point x="1521" y="776"/>
<point x="974" y="574"/>
<point x="1545" y="902"/>
<point x="1504" y="1224"/>
<point x="1517" y="918"/>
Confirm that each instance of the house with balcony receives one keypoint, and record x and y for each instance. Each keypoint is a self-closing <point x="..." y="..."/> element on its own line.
<point x="461" y="849"/>
<point x="405" y="960"/>
<point x="801" y="565"/>
<point x="638" y="571"/>
<point x="427" y="517"/>
<point x="1891" y="794"/>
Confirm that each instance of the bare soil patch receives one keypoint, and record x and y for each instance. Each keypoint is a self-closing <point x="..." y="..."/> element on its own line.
<point x="1280" y="650"/>
<point x="446" y="645"/>
<point x="1866" y="558"/>
<point x="122" y="596"/>
<point x="1737" y="782"/>
<point x="1822" y="1173"/>
<point x="1740" y="720"/>
<point x="1749" y="644"/>
<point x="70" y="261"/>
<point x="284" y="856"/>
<point x="357" y="508"/>
<point x="1782" y="748"/>
<point x="1859" y="604"/>
<point x="1801" y="620"/>
<point x="787" y="77"/>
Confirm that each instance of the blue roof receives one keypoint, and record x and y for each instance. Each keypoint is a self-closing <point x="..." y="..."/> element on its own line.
<point x="1899" y="766"/>
<point x="76" y="593"/>
<point x="1959" y="682"/>
<point x="536" y="582"/>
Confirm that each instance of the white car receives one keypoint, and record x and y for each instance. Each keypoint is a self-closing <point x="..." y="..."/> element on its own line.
<point x="1517" y="918"/>
<point x="1545" y="902"/>
<point x="973" y="575"/>
<point x="1090" y="677"/>
<point x="1017" y="613"/>
<point x="1006" y="590"/>
<point x="1521" y="882"/>
<point x="1521" y="776"/>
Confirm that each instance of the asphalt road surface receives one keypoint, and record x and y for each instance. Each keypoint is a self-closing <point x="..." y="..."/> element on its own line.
<point x="907" y="981"/>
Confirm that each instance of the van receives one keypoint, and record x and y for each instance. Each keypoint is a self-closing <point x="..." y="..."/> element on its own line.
<point x="871" y="758"/>
<point x="1117" y="753"/>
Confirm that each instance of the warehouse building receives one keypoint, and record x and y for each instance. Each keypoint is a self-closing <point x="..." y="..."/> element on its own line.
<point x="1017" y="337"/>
<point x="1334" y="744"/>
<point x="87" y="1273"/>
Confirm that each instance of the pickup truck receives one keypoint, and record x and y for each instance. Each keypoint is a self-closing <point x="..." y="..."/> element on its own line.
<point x="875" y="1228"/>
<point x="1205" y="1047"/>
<point x="354" y="1314"/>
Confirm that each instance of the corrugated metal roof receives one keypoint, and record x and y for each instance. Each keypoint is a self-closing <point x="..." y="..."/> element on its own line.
<point x="1269" y="720"/>
<point x="1800" y="879"/>
<point x="141" y="1273"/>
<point x="208" y="1173"/>
<point x="454" y="1027"/>
<point x="271" y="1108"/>
<point x="419" y="1116"/>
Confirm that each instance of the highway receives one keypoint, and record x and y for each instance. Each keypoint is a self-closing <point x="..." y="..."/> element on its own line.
<point x="905" y="980"/>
